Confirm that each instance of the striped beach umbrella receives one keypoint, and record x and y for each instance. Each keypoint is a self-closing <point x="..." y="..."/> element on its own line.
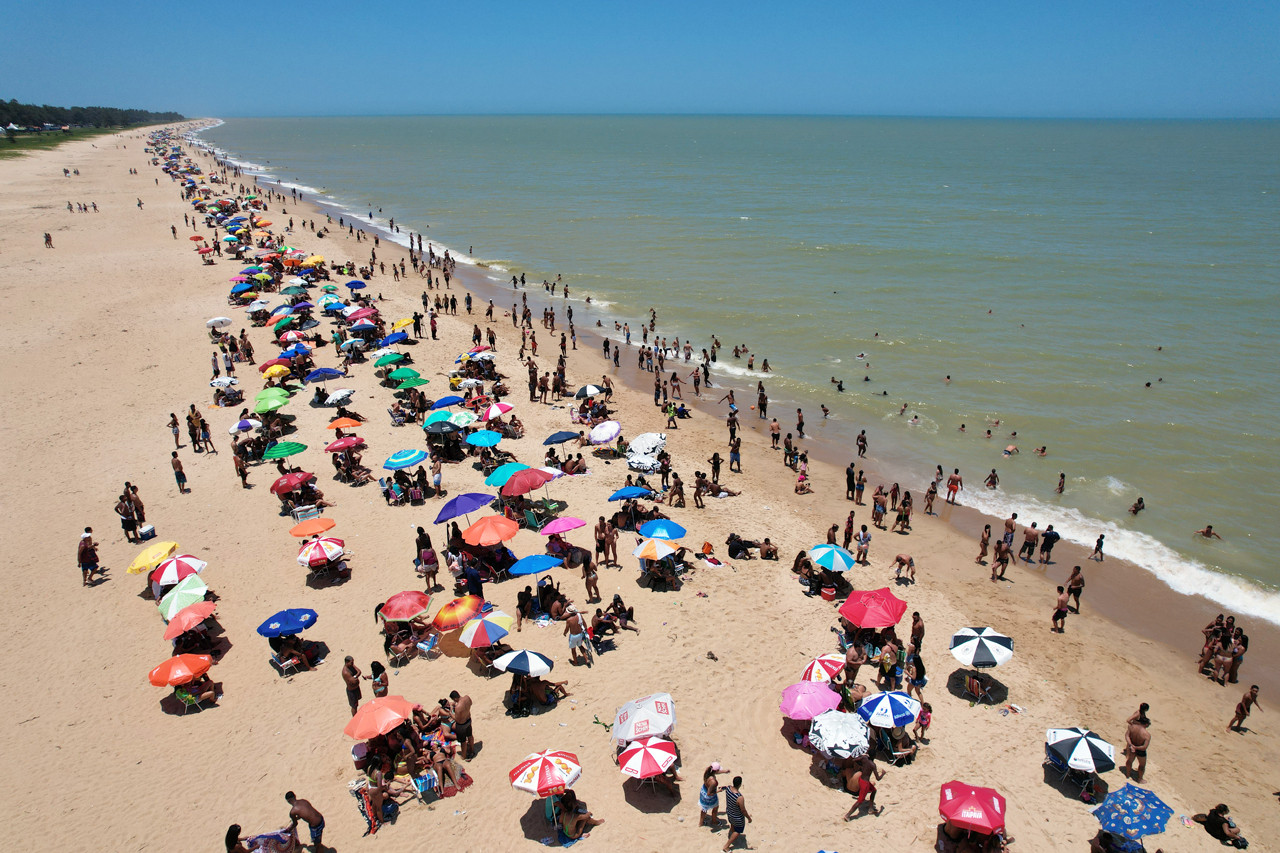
<point x="485" y="631"/>
<point x="888" y="710"/>
<point x="823" y="668"/>
<point x="832" y="557"/>
<point x="1081" y="749"/>
<point x="653" y="549"/>
<point x="647" y="757"/>
<point x="404" y="459"/>
<point x="546" y="773"/>
<point x="458" y="612"/>
<point x="496" y="410"/>
<point x="176" y="568"/>
<point x="981" y="648"/>
<point x="523" y="662"/>
<point x="320" y="552"/>
<point x="188" y="591"/>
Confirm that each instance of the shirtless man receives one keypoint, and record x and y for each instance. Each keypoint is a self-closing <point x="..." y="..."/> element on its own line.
<point x="1137" y="738"/>
<point x="1010" y="527"/>
<point x="993" y="479"/>
<point x="955" y="483"/>
<point x="179" y="474"/>
<point x="87" y="556"/>
<point x="460" y="706"/>
<point x="1207" y="533"/>
<point x="1030" y="540"/>
<point x="351" y="674"/>
<point x="600" y="531"/>
<point x="1060" y="612"/>
<point x="611" y="544"/>
<point x="904" y="561"/>
<point x="300" y="809"/>
<point x="859" y="777"/>
<point x="1243" y="707"/>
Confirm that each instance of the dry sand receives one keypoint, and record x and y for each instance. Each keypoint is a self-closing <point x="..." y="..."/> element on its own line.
<point x="105" y="337"/>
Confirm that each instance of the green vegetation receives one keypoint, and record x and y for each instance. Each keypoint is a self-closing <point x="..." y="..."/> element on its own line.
<point x="21" y="143"/>
<point x="35" y="115"/>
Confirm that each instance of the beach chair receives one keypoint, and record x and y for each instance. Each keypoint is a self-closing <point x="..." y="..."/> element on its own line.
<point x="430" y="647"/>
<point x="415" y="496"/>
<point x="188" y="701"/>
<point x="396" y="420"/>
<point x="283" y="662"/>
<point x="975" y="686"/>
<point x="302" y="513"/>
<point x="1065" y="773"/>
<point x="532" y="521"/>
<point x="897" y="759"/>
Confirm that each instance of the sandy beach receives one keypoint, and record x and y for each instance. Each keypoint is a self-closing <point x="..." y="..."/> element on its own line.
<point x="109" y="337"/>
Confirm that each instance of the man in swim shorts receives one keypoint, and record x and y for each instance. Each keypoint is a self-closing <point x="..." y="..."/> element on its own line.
<point x="1246" y="704"/>
<point x="302" y="810"/>
<point x="1060" y="614"/>
<point x="954" y="484"/>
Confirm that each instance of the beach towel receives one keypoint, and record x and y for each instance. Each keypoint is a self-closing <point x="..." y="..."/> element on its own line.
<point x="280" y="841"/>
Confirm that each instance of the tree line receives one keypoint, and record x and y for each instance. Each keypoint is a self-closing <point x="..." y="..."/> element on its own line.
<point x="35" y="115"/>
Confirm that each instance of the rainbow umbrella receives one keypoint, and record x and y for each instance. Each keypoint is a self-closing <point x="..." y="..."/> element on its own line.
<point x="458" y="612"/>
<point x="486" y="630"/>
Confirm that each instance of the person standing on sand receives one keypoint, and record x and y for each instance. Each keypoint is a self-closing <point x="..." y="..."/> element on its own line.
<point x="1060" y="613"/>
<point x="1075" y="586"/>
<point x="302" y="810"/>
<point x="983" y="541"/>
<point x="1137" y="739"/>
<point x="242" y="470"/>
<point x="1030" y="539"/>
<point x="862" y="444"/>
<point x="1047" y="541"/>
<point x="955" y="483"/>
<point x="461" y="707"/>
<point x="87" y="557"/>
<point x="1243" y="707"/>
<point x="735" y="454"/>
<point x="864" y="774"/>
<point x="848" y="531"/>
<point x="179" y="474"/>
<point x="351" y="675"/>
<point x="735" y="810"/>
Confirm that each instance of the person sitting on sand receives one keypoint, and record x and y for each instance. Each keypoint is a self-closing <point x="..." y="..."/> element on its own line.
<point x="575" y="820"/>
<point x="624" y="615"/>
<point x="1219" y="825"/>
<point x="546" y="692"/>
<point x="768" y="550"/>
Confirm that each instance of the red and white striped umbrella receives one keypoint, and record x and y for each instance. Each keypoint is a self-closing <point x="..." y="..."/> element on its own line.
<point x="318" y="552"/>
<point x="176" y="568"/>
<point x="291" y="337"/>
<point x="649" y="756"/>
<point x="546" y="773"/>
<point x="497" y="410"/>
<point x="823" y="668"/>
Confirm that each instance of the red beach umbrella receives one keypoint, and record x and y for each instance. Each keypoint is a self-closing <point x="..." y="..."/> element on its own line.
<point x="182" y="669"/>
<point x="406" y="605"/>
<point x="344" y="444"/>
<point x="878" y="608"/>
<point x="378" y="716"/>
<point x="289" y="482"/>
<point x="978" y="809"/>
<point x="189" y="617"/>
<point x="262" y="368"/>
<point x="525" y="481"/>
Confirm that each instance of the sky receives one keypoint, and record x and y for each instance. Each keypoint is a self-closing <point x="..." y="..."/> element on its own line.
<point x="1083" y="58"/>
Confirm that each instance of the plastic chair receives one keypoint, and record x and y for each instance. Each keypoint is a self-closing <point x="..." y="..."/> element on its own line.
<point x="974" y="686"/>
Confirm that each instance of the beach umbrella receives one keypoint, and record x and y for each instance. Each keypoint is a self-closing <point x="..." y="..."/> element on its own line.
<point x="291" y="621"/>
<point x="647" y="444"/>
<point x="393" y="338"/>
<point x="980" y="810"/>
<point x="295" y="350"/>
<point x="832" y="557"/>
<point x="873" y="609"/>
<point x="981" y="648"/>
<point x="219" y="322"/>
<point x="311" y="527"/>
<point x="415" y="382"/>
<point x="322" y="374"/>
<point x="559" y="437"/>
<point x="320" y="552"/>
<point x="523" y="482"/>
<point x="562" y="525"/>
<point x="823" y="668"/>
<point x="441" y="428"/>
<point x="285" y="323"/>
<point x="275" y="362"/>
<point x="289" y="482"/>
<point x="458" y="612"/>
<point x="653" y="549"/>
<point x="808" y="699"/>
<point x="628" y="492"/>
<point x="293" y="336"/>
<point x="649" y="716"/>
<point x="524" y="663"/>
<point x="605" y="432"/>
<point x="152" y="556"/>
<point x="546" y="773"/>
<point x="463" y="504"/>
<point x="241" y="287"/>
<point x="174" y="569"/>
<point x="483" y="632"/>
<point x="888" y="710"/>
<point x="402" y="373"/>
<point x="444" y="402"/>
<point x="405" y="606"/>
<point x="330" y="288"/>
<point x="361" y="313"/>
<point x="275" y="392"/>
<point x="497" y="410"/>
<point x="343" y="444"/>
<point x="404" y="459"/>
<point x="243" y="425"/>
<point x="257" y="305"/>
<point x="189" y="617"/>
<point x="1081" y="749"/>
<point x="362" y="326"/>
<point x="339" y="396"/>
<point x="378" y="716"/>
<point x="1132" y="812"/>
<point x="188" y="591"/>
<point x="273" y="403"/>
<point x="403" y="323"/>
<point x="343" y="423"/>
<point x="647" y="757"/>
<point x="195" y="238"/>
<point x="283" y="449"/>
<point x="462" y="419"/>
<point x="661" y="528"/>
<point x="836" y="734"/>
<point x="293" y="290"/>
<point x="490" y="530"/>
<point x="389" y="358"/>
<point x="484" y="438"/>
<point x="588" y="391"/>
<point x="356" y="285"/>
<point x="503" y="473"/>
<point x="180" y="669"/>
<point x="535" y="564"/>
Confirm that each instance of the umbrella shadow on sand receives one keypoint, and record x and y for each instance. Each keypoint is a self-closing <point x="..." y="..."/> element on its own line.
<point x="956" y="687"/>
<point x="1070" y="786"/>
<point x="533" y="823"/>
<point x="649" y="798"/>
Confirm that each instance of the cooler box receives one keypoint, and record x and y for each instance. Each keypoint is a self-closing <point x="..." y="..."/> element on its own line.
<point x="828" y="593"/>
<point x="147" y="531"/>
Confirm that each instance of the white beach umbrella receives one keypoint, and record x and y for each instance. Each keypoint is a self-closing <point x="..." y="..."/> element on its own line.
<point x="648" y="444"/>
<point x="605" y="432"/>
<point x="649" y="715"/>
<point x="1081" y="749"/>
<point x="981" y="648"/>
<point x="339" y="396"/>
<point x="219" y="323"/>
<point x="836" y="734"/>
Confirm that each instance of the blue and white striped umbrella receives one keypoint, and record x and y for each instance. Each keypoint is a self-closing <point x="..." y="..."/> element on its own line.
<point x="403" y="459"/>
<point x="887" y="710"/>
<point x="831" y="557"/>
<point x="524" y="663"/>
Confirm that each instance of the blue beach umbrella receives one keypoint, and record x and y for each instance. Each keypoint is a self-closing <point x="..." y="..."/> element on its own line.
<point x="535" y="564"/>
<point x="1133" y="812"/>
<point x="242" y="287"/>
<point x="832" y="557"/>
<point x="356" y="285"/>
<point x="662" y="528"/>
<point x="463" y="504"/>
<point x="289" y="621"/>
<point x="352" y="342"/>
<point x="282" y="311"/>
<point x="295" y="351"/>
<point x="559" y="438"/>
<point x="302" y="306"/>
<point x="404" y="459"/>
<point x="322" y="374"/>
<point x="393" y="338"/>
<point x="451" y="400"/>
<point x="629" y="492"/>
<point x="502" y="473"/>
<point x="484" y="438"/>
<point x="887" y="710"/>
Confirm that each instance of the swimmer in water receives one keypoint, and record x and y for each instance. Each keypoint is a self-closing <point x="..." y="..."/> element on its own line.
<point x="993" y="479"/>
<point x="915" y="419"/>
<point x="1010" y="449"/>
<point x="988" y="435"/>
<point x="1137" y="507"/>
<point x="1042" y="450"/>
<point x="825" y="412"/>
<point x="947" y="381"/>
<point x="1208" y="533"/>
<point x="903" y="409"/>
<point x="862" y="355"/>
<point x="961" y="428"/>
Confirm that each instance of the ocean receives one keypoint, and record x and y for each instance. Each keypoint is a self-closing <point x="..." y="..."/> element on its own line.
<point x="1051" y="269"/>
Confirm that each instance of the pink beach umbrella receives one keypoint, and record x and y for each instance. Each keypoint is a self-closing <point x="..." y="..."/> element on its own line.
<point x="319" y="552"/>
<point x="497" y="410"/>
<point x="561" y="525"/>
<point x="647" y="757"/>
<point x="808" y="699"/>
<point x="823" y="668"/>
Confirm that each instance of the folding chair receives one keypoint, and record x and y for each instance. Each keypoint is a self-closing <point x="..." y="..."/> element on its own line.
<point x="1064" y="771"/>
<point x="188" y="701"/>
<point x="977" y="688"/>
<point x="284" y="663"/>
<point x="302" y="513"/>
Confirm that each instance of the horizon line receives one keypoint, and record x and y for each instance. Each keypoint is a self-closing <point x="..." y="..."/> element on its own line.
<point x="956" y="117"/>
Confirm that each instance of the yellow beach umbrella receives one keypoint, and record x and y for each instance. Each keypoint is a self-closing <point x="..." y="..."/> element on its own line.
<point x="151" y="557"/>
<point x="275" y="370"/>
<point x="401" y="324"/>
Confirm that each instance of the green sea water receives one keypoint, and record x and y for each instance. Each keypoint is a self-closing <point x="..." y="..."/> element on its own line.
<point x="1050" y="268"/>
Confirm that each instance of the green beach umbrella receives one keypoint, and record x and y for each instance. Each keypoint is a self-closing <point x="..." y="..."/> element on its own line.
<point x="412" y="383"/>
<point x="284" y="323"/>
<point x="330" y="288"/>
<point x="190" y="590"/>
<point x="436" y="417"/>
<point x="272" y="394"/>
<point x="402" y="373"/>
<point x="283" y="449"/>
<point x="389" y="358"/>
<point x="270" y="404"/>
<point x="294" y="290"/>
<point x="462" y="419"/>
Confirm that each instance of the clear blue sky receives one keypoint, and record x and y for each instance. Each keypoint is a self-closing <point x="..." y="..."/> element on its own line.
<point x="1108" y="58"/>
